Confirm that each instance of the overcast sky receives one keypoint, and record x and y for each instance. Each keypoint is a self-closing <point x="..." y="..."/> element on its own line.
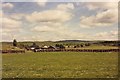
<point x="51" y="21"/>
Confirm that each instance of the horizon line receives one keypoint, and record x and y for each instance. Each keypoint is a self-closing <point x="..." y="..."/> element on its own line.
<point x="56" y="40"/>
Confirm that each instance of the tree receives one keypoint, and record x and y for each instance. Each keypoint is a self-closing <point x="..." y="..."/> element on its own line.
<point x="77" y="45"/>
<point x="15" y="43"/>
<point x="34" y="44"/>
<point x="81" y="45"/>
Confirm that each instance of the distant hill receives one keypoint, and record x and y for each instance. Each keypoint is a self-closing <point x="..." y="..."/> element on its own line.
<point x="72" y="41"/>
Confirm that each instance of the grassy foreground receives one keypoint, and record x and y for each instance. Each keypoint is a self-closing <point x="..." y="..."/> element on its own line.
<point x="60" y="64"/>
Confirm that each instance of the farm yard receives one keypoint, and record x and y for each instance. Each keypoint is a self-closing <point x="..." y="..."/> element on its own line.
<point x="60" y="65"/>
<point x="21" y="60"/>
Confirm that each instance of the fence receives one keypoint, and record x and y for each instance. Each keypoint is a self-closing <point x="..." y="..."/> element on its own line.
<point x="79" y="50"/>
<point x="63" y="50"/>
<point x="12" y="51"/>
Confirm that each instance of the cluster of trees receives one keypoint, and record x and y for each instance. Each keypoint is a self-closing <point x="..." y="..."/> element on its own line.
<point x="110" y="43"/>
<point x="88" y="44"/>
<point x="75" y="46"/>
<point x="82" y="45"/>
<point x="60" y="46"/>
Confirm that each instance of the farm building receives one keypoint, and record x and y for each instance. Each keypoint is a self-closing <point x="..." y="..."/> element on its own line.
<point x="52" y="47"/>
<point x="44" y="47"/>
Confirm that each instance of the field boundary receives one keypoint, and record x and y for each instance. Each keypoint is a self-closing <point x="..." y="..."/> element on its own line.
<point x="79" y="50"/>
<point x="12" y="51"/>
<point x="63" y="50"/>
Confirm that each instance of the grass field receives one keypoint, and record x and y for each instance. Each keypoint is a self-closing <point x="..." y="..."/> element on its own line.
<point x="60" y="65"/>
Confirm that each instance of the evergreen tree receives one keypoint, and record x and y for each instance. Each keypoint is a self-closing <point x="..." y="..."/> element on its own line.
<point x="15" y="43"/>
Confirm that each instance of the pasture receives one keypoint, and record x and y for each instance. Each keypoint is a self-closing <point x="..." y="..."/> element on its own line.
<point x="60" y="65"/>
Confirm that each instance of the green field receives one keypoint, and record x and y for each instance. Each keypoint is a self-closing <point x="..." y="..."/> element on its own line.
<point x="60" y="65"/>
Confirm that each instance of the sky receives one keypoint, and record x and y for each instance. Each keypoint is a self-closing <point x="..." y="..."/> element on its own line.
<point x="53" y="21"/>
